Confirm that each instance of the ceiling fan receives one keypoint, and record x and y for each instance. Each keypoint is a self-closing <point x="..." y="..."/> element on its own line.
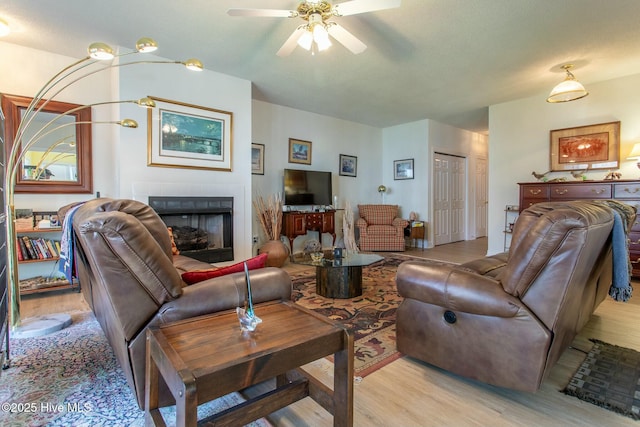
<point x="314" y="34"/>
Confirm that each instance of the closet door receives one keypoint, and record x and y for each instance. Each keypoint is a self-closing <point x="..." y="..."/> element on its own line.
<point x="481" y="198"/>
<point x="449" y="179"/>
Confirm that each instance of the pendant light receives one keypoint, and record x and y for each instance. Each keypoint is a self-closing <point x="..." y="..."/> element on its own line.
<point x="568" y="90"/>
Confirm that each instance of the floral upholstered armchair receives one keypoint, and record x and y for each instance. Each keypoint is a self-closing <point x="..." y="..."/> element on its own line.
<point x="380" y="228"/>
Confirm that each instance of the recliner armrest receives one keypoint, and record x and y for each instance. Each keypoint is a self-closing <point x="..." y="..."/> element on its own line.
<point x="227" y="292"/>
<point x="455" y="288"/>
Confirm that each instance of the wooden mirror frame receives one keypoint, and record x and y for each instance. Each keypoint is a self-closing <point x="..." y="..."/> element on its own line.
<point x="12" y="106"/>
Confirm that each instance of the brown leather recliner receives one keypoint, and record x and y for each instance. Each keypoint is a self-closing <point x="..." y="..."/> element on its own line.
<point x="506" y="319"/>
<point x="131" y="280"/>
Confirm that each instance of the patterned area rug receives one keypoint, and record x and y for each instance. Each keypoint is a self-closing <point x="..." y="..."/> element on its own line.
<point x="371" y="317"/>
<point x="72" y="378"/>
<point x="609" y="377"/>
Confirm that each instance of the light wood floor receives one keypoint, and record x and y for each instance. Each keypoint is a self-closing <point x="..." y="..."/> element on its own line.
<point x="411" y="393"/>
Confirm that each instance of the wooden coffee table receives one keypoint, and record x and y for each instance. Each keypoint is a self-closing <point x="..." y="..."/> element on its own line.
<point x="207" y="357"/>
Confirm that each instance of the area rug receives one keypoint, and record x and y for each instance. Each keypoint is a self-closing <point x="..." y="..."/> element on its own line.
<point x="609" y="377"/>
<point x="72" y="378"/>
<point x="371" y="317"/>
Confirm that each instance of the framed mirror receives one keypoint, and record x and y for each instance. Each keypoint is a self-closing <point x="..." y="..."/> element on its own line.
<point x="58" y="161"/>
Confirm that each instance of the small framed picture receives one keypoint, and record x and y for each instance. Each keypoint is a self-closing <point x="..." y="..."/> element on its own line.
<point x="348" y="165"/>
<point x="257" y="159"/>
<point x="403" y="169"/>
<point x="299" y="151"/>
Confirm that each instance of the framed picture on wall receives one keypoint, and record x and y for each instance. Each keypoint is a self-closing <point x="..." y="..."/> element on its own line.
<point x="348" y="165"/>
<point x="188" y="136"/>
<point x="586" y="147"/>
<point x="257" y="159"/>
<point x="299" y="151"/>
<point x="403" y="169"/>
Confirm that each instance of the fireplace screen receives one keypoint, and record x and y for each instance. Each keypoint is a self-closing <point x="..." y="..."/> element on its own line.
<point x="202" y="226"/>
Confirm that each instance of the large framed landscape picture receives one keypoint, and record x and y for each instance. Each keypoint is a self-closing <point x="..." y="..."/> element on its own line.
<point x="586" y="147"/>
<point x="189" y="136"/>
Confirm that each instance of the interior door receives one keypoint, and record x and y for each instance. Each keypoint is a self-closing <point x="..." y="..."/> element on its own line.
<point x="441" y="200"/>
<point x="450" y="201"/>
<point x="481" y="197"/>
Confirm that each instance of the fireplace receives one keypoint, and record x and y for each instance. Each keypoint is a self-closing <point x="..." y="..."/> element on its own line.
<point x="202" y="226"/>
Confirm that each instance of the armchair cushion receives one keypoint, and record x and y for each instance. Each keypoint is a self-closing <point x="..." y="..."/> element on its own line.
<point x="378" y="214"/>
<point x="191" y="277"/>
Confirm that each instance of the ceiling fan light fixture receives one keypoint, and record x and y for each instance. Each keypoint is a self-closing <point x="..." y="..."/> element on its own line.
<point x="568" y="90"/>
<point x="321" y="37"/>
<point x="323" y="44"/>
<point x="306" y="40"/>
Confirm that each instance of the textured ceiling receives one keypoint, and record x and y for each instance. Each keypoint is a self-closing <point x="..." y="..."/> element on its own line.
<point x="446" y="60"/>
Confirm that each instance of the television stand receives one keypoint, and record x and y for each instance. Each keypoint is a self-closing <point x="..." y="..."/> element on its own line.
<point x="296" y="224"/>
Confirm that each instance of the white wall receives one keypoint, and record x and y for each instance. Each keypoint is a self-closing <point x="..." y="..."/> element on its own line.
<point x="23" y="72"/>
<point x="519" y="140"/>
<point x="120" y="155"/>
<point x="273" y="125"/>
<point x="206" y="89"/>
<point x="419" y="141"/>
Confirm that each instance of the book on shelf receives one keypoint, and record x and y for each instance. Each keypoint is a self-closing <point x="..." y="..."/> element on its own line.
<point x="417" y="224"/>
<point x="37" y="248"/>
<point x="29" y="248"/>
<point x="20" y="250"/>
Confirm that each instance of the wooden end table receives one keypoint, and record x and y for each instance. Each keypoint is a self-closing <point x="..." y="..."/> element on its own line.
<point x="417" y="232"/>
<point x="207" y="357"/>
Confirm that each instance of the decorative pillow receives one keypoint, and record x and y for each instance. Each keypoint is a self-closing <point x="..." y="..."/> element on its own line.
<point x="174" y="248"/>
<point x="378" y="214"/>
<point x="191" y="277"/>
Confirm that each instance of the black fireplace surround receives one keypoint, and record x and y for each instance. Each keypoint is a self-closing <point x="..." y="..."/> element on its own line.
<point x="202" y="226"/>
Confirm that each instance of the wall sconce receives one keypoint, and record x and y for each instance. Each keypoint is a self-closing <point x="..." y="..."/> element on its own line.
<point x="568" y="90"/>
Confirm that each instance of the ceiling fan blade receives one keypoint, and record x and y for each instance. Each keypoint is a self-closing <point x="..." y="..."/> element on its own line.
<point x="272" y="13"/>
<point x="361" y="6"/>
<point x="349" y="41"/>
<point x="291" y="42"/>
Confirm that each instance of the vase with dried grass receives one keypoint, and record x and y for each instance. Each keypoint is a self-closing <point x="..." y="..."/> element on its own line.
<point x="269" y="214"/>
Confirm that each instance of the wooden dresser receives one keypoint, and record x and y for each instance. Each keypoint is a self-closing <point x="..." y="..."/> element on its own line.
<point x="626" y="191"/>
<point x="296" y="224"/>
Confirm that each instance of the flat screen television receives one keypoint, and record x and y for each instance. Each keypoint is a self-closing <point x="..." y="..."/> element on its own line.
<point x="305" y="187"/>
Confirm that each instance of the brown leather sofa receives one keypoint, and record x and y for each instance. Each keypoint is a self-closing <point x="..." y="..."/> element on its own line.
<point x="132" y="282"/>
<point x="506" y="319"/>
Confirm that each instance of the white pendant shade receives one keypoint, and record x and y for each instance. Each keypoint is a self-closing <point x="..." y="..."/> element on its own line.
<point x="568" y="90"/>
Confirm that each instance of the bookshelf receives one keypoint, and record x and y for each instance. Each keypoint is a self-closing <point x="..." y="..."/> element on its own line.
<point x="511" y="213"/>
<point x="38" y="256"/>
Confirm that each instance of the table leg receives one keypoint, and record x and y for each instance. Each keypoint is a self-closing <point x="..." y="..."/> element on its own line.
<point x="186" y="406"/>
<point x="343" y="384"/>
<point x="150" y="388"/>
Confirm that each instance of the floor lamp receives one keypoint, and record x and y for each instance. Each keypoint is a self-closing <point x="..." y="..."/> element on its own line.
<point x="97" y="54"/>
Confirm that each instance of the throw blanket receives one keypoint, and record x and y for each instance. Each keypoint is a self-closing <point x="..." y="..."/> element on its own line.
<point x="66" y="245"/>
<point x="623" y="218"/>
